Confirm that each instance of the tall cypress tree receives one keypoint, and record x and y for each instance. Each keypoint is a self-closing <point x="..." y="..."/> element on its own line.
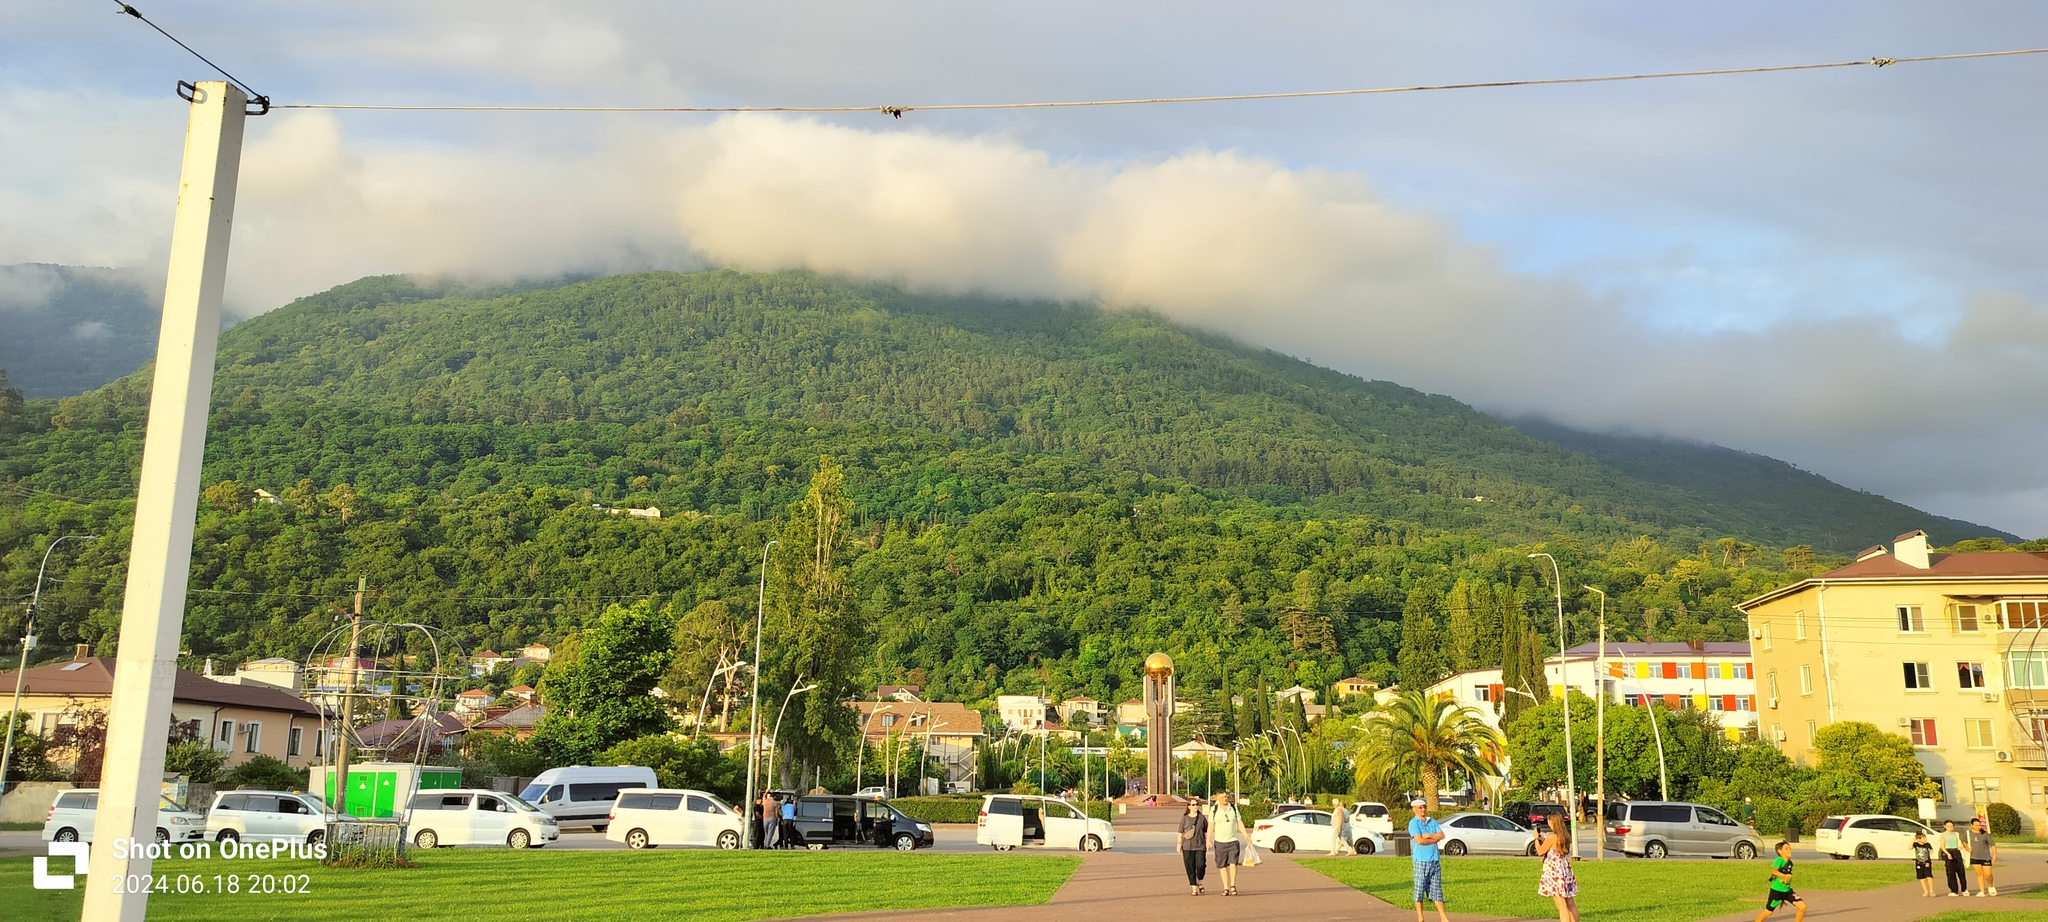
<point x="1511" y="663"/>
<point x="1422" y="659"/>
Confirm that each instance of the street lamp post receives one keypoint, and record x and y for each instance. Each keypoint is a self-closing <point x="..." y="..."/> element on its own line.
<point x="1600" y="719"/>
<point x="28" y="641"/>
<point x="926" y="753"/>
<point x="1571" y="787"/>
<point x="775" y="738"/>
<point x="861" y="755"/>
<point x="704" y="706"/>
<point x="754" y="720"/>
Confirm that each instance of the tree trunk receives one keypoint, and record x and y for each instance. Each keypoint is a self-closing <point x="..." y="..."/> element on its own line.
<point x="1429" y="786"/>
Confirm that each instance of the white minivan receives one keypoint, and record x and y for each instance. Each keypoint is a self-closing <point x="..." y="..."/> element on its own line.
<point x="267" y="816"/>
<point x="1007" y="821"/>
<point x="653" y="817"/>
<point x="582" y="795"/>
<point x="73" y="815"/>
<point x="437" y="819"/>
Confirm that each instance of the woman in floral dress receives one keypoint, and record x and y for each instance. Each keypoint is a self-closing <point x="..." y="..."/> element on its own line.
<point x="1558" y="882"/>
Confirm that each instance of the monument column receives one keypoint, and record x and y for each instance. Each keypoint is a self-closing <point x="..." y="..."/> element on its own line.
<point x="1158" y="724"/>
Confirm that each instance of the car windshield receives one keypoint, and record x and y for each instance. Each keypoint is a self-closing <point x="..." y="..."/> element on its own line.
<point x="718" y="802"/>
<point x="533" y="792"/>
<point x="319" y="806"/>
<point x="519" y="803"/>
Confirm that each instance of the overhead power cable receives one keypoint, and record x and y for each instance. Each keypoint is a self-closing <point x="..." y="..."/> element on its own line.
<point x="898" y="111"/>
<point x="260" y="100"/>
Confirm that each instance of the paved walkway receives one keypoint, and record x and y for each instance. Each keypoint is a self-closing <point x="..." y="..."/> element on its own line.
<point x="1112" y="886"/>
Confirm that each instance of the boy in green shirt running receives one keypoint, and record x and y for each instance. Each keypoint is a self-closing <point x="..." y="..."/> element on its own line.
<point x="1781" y="887"/>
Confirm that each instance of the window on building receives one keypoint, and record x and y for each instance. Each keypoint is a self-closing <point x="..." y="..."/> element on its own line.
<point x="2026" y="669"/>
<point x="1941" y="788"/>
<point x="1482" y="693"/>
<point x="1970" y="675"/>
<point x="1984" y="791"/>
<point x="227" y="732"/>
<point x="2023" y="615"/>
<point x="1919" y="677"/>
<point x="1910" y="620"/>
<point x="1745" y="702"/>
<point x="1714" y="703"/>
<point x="1966" y="619"/>
<point x="1799" y="625"/>
<point x="1977" y="733"/>
<point x="1685" y="671"/>
<point x="254" y="736"/>
<point x="1923" y="732"/>
<point x="319" y="744"/>
<point x="291" y="745"/>
<point x="1812" y="733"/>
<point x="2037" y="791"/>
<point x="1772" y="678"/>
<point x="1806" y="680"/>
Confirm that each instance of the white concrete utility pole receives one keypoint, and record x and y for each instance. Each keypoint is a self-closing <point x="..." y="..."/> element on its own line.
<point x="159" y="561"/>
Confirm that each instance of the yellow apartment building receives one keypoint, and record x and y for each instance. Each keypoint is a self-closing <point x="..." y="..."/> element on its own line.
<point x="1947" y="650"/>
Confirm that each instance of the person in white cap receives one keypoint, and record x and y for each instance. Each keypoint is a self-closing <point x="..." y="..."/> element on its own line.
<point x="1423" y="835"/>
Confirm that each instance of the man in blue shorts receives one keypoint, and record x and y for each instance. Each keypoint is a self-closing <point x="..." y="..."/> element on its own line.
<point x="1423" y="835"/>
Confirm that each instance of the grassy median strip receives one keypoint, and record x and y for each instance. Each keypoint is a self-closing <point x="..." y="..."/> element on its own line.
<point x="578" y="886"/>
<point x="1639" y="890"/>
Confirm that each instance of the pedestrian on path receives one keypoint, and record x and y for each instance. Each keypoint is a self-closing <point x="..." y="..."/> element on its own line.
<point x="1923" y="863"/>
<point x="1340" y="829"/>
<point x="1781" y="891"/>
<point x="1983" y="852"/>
<point x="1558" y="881"/>
<point x="767" y="822"/>
<point x="1423" y="835"/>
<point x="1952" y="860"/>
<point x="1226" y="836"/>
<point x="1194" y="846"/>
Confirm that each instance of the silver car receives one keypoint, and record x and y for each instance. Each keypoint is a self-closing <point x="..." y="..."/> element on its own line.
<point x="1484" y="833"/>
<point x="1656" y="829"/>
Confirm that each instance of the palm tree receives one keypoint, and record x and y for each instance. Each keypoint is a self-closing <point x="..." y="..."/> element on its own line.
<point x="1430" y="735"/>
<point x="1260" y="760"/>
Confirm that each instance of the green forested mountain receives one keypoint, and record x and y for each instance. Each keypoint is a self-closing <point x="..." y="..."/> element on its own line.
<point x="1029" y="485"/>
<point x="70" y="329"/>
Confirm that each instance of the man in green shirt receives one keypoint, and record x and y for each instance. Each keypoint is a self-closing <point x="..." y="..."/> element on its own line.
<point x="1781" y="887"/>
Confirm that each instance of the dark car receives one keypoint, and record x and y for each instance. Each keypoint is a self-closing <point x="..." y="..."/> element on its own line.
<point x="1529" y="813"/>
<point x="834" y="819"/>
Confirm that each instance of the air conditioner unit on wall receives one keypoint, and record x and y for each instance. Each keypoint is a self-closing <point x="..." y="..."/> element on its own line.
<point x="1991" y="696"/>
<point x="2002" y="755"/>
<point x="1774" y="704"/>
<point x="1756" y="633"/>
<point x="1905" y="721"/>
<point x="1778" y="735"/>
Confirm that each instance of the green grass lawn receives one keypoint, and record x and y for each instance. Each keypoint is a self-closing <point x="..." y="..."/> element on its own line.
<point x="1635" y="889"/>
<point x="1984" y="915"/>
<point x="588" y="886"/>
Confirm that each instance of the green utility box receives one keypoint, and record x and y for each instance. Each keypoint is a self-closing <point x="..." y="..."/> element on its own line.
<point x="378" y="790"/>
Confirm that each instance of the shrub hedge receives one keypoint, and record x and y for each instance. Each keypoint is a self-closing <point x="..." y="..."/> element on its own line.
<point x="2004" y="820"/>
<point x="963" y="808"/>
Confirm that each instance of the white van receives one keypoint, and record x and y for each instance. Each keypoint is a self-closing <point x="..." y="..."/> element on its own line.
<point x="1010" y="820"/>
<point x="438" y="819"/>
<point x="582" y="795"/>
<point x="267" y="816"/>
<point x="653" y="817"/>
<point x="73" y="815"/>
<point x="1372" y="816"/>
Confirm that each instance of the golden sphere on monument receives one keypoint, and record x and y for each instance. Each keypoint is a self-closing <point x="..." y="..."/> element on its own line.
<point x="1159" y="665"/>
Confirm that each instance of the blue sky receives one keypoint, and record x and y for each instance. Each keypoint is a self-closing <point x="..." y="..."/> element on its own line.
<point x="1838" y="268"/>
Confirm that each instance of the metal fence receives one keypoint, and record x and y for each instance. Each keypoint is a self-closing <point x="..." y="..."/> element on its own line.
<point x="366" y="844"/>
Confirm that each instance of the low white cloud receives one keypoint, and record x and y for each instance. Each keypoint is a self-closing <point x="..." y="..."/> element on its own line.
<point x="27" y="287"/>
<point x="1310" y="262"/>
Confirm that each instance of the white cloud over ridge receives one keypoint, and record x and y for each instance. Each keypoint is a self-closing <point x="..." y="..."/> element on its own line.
<point x="1310" y="262"/>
